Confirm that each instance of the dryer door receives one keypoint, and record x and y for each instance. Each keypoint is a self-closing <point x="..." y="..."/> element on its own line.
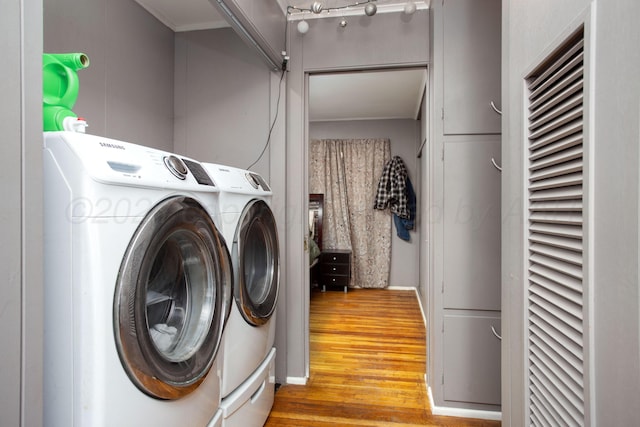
<point x="169" y="306"/>
<point x="256" y="263"/>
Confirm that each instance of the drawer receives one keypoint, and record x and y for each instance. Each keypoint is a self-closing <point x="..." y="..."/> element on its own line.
<point x="335" y="257"/>
<point x="335" y="269"/>
<point x="335" y="280"/>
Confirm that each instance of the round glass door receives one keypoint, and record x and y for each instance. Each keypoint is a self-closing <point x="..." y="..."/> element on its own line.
<point x="170" y="307"/>
<point x="257" y="263"/>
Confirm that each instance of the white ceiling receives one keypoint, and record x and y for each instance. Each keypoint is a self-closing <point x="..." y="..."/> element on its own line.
<point x="187" y="15"/>
<point x="366" y="95"/>
<point x="340" y="96"/>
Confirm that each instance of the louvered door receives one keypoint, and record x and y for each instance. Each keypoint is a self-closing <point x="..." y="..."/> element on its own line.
<point x="556" y="289"/>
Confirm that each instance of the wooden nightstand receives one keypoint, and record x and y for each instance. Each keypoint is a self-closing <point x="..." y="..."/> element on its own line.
<point x="335" y="268"/>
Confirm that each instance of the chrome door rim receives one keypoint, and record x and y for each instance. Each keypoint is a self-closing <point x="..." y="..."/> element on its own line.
<point x="168" y="331"/>
<point x="256" y="263"/>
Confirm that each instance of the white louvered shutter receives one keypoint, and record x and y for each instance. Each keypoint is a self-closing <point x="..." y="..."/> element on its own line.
<point x="555" y="297"/>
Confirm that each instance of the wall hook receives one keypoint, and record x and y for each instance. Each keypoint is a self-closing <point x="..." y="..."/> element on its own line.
<point x="495" y="165"/>
<point x="495" y="333"/>
<point x="496" y="109"/>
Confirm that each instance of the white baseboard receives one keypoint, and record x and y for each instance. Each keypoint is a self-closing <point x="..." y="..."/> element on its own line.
<point x="401" y="288"/>
<point x="461" y="412"/>
<point x="424" y="317"/>
<point x="414" y="289"/>
<point x="297" y="380"/>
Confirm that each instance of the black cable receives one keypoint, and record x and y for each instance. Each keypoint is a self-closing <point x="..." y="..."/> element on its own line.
<point x="284" y="70"/>
<point x="285" y="60"/>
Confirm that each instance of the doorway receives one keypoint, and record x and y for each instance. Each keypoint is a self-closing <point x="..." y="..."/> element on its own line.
<point x="386" y="103"/>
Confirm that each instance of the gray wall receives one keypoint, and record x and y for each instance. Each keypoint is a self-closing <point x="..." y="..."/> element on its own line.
<point x="384" y="40"/>
<point x="529" y="31"/>
<point x="127" y="91"/>
<point x="222" y="95"/>
<point x="21" y="308"/>
<point x="404" y="136"/>
<point x="226" y="99"/>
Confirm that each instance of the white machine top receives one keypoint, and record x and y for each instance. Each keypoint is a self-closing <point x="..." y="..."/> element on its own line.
<point x="110" y="161"/>
<point x="236" y="180"/>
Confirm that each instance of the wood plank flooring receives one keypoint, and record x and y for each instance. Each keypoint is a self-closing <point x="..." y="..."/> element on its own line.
<point x="367" y="350"/>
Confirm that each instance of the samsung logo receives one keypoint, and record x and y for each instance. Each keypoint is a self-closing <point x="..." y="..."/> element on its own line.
<point x="109" y="145"/>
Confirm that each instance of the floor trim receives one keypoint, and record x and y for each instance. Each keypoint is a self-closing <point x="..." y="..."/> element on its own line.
<point x="461" y="412"/>
<point x="424" y="317"/>
<point x="401" y="288"/>
<point x="297" y="380"/>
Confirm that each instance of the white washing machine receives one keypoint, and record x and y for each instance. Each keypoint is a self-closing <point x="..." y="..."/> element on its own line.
<point x="138" y="286"/>
<point x="249" y="228"/>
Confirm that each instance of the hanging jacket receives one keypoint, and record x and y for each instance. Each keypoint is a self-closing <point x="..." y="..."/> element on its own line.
<point x="391" y="190"/>
<point x="403" y="225"/>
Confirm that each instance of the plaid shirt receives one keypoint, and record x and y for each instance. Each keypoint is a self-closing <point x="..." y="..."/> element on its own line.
<point x="392" y="188"/>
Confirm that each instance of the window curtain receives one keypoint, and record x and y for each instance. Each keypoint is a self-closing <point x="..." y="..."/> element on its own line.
<point x="347" y="171"/>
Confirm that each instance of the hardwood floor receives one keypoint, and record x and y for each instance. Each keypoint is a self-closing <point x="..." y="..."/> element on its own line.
<point x="367" y="350"/>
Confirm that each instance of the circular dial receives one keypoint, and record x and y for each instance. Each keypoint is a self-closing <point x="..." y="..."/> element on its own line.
<point x="176" y="166"/>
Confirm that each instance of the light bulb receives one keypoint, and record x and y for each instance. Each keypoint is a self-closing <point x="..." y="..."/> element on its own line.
<point x="343" y="22"/>
<point x="370" y="9"/>
<point x="410" y="8"/>
<point x="303" y="27"/>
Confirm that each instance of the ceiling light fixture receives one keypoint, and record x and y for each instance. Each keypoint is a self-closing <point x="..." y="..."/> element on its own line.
<point x="320" y="9"/>
<point x="409" y="8"/>
<point x="370" y="9"/>
<point x="303" y="27"/>
<point x="317" y="7"/>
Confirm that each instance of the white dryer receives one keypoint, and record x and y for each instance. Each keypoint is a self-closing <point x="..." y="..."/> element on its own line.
<point x="249" y="228"/>
<point x="138" y="286"/>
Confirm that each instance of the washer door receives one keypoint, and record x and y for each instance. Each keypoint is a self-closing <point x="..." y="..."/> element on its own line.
<point x="170" y="308"/>
<point x="256" y="263"/>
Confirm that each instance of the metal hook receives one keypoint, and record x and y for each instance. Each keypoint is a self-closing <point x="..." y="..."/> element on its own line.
<point x="495" y="164"/>
<point x="495" y="333"/>
<point x="496" y="109"/>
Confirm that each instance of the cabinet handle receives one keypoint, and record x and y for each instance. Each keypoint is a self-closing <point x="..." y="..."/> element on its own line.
<point x="495" y="333"/>
<point x="495" y="165"/>
<point x="496" y="109"/>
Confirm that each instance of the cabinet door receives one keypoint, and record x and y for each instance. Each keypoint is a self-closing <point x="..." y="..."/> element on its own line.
<point x="472" y="225"/>
<point x="471" y="66"/>
<point x="472" y="358"/>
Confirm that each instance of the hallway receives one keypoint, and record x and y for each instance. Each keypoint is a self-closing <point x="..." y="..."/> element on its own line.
<point x="367" y="355"/>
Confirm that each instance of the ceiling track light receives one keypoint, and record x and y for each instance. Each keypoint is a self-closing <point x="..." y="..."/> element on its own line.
<point x="317" y="7"/>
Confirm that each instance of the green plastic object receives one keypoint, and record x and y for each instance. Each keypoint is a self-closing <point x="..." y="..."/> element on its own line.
<point x="60" y="87"/>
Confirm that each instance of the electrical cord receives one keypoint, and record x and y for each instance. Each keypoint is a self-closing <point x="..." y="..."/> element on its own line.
<point x="285" y="60"/>
<point x="284" y="70"/>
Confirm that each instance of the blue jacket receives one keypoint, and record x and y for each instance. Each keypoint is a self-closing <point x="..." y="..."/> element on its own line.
<point x="404" y="225"/>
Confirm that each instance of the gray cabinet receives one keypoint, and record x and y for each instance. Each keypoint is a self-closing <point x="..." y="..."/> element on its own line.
<point x="471" y="272"/>
<point x="472" y="224"/>
<point x="471" y="66"/>
<point x="472" y="357"/>
<point x="465" y="354"/>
